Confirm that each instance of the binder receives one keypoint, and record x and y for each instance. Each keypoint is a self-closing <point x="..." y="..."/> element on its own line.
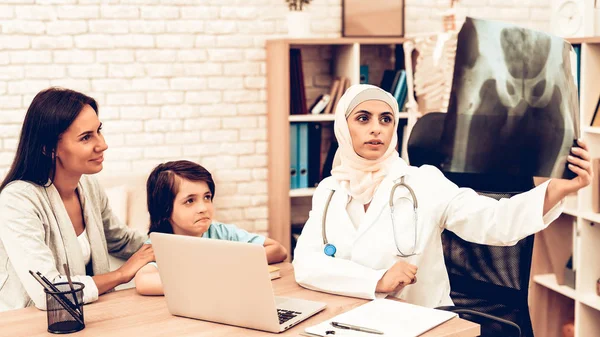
<point x="302" y="155"/>
<point x="387" y="80"/>
<point x="403" y="91"/>
<point x="395" y="83"/>
<point x="293" y="155"/>
<point x="314" y="154"/>
<point x="577" y="49"/>
<point x="364" y="74"/>
<point x="400" y="84"/>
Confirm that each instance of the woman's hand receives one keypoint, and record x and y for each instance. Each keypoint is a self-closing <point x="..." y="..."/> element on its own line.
<point x="580" y="165"/>
<point x="139" y="259"/>
<point x="397" y="277"/>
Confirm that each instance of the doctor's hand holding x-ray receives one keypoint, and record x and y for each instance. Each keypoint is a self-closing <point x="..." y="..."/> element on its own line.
<point x="377" y="222"/>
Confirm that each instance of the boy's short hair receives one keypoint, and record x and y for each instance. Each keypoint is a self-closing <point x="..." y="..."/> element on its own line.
<point x="162" y="187"/>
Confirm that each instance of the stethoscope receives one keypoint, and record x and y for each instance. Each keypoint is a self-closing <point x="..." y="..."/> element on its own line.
<point x="330" y="248"/>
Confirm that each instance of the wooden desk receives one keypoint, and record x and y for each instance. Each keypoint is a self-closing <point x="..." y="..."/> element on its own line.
<point x="125" y="313"/>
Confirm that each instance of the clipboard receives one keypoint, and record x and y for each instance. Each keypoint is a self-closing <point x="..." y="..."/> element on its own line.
<point x="394" y="318"/>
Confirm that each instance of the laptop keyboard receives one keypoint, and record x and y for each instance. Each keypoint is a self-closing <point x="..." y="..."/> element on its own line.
<point x="286" y="315"/>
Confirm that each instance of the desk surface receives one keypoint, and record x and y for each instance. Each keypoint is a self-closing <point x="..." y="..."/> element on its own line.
<point x="125" y="313"/>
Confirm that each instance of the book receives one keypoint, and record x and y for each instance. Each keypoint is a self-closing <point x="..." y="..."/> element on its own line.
<point x="596" y="185"/>
<point x="596" y="118"/>
<point x="344" y="82"/>
<point x="274" y="272"/>
<point x="332" y="96"/>
<point x="320" y="104"/>
<point x="393" y="318"/>
<point x="297" y="90"/>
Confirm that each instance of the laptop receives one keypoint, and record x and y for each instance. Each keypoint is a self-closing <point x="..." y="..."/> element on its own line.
<point x="225" y="282"/>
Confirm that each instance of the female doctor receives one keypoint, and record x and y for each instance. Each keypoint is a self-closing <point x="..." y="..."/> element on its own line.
<point x="355" y="244"/>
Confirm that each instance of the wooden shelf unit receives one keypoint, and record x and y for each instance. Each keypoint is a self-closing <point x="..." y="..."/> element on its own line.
<point x="342" y="57"/>
<point x="575" y="232"/>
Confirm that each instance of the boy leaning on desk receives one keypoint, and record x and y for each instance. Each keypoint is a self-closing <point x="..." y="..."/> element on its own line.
<point x="180" y="201"/>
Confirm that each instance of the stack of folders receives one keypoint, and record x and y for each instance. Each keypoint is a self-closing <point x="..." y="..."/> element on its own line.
<point x="382" y="318"/>
<point x="305" y="155"/>
<point x="394" y="82"/>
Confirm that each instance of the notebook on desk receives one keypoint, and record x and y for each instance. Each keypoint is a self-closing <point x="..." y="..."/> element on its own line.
<point x="274" y="272"/>
<point x="226" y="282"/>
<point x="392" y="318"/>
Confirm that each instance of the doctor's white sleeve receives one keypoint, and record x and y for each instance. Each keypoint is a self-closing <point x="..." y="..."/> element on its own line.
<point x="316" y="271"/>
<point x="485" y="220"/>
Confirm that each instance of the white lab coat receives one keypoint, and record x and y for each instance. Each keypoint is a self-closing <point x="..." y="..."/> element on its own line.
<point x="365" y="253"/>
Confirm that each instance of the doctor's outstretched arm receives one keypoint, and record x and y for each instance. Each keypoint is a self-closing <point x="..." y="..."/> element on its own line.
<point x="504" y="222"/>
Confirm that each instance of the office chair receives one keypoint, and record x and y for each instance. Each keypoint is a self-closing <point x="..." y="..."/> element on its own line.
<point x="489" y="285"/>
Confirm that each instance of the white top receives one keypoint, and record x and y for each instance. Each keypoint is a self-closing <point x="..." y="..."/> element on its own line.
<point x="84" y="243"/>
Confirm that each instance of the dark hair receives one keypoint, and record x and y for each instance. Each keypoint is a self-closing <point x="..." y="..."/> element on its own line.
<point x="51" y="113"/>
<point x="162" y="187"/>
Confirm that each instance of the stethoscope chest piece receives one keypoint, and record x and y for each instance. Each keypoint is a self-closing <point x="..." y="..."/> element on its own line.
<point x="330" y="250"/>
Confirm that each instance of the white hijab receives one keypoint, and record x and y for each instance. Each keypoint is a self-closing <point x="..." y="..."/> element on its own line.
<point x="359" y="176"/>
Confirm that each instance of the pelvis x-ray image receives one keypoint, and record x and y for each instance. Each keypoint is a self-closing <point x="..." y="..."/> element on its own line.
<point x="513" y="106"/>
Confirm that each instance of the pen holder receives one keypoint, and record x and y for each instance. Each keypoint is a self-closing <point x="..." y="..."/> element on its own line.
<point x="65" y="314"/>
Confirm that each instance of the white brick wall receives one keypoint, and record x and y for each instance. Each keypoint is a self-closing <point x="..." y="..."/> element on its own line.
<point x="178" y="78"/>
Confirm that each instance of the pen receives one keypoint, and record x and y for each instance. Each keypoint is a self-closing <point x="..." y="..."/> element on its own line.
<point x="66" y="266"/>
<point x="64" y="302"/>
<point x="53" y="288"/>
<point x="355" y="328"/>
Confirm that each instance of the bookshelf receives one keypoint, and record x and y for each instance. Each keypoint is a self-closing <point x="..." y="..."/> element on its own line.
<point x="322" y="61"/>
<point x="576" y="231"/>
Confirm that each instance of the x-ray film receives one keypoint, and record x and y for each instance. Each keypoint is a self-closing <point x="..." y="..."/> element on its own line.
<point x="513" y="107"/>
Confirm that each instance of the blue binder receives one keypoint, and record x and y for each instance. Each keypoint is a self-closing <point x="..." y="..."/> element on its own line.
<point x="403" y="94"/>
<point x="400" y="88"/>
<point x="293" y="155"/>
<point x="303" y="155"/>
<point x="577" y="49"/>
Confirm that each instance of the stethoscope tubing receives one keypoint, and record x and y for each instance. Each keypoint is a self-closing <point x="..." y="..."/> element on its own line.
<point x="330" y="249"/>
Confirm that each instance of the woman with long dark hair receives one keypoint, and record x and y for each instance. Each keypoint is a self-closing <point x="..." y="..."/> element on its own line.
<point x="53" y="214"/>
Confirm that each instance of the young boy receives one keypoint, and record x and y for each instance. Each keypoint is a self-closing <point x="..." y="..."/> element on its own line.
<point x="180" y="201"/>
